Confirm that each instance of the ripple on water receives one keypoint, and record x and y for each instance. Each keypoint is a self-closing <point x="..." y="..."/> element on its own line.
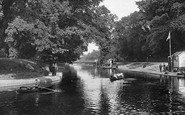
<point x="95" y="94"/>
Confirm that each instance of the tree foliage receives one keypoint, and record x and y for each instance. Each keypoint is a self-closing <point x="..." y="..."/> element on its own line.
<point x="105" y="23"/>
<point x="143" y="34"/>
<point x="61" y="29"/>
<point x="48" y="29"/>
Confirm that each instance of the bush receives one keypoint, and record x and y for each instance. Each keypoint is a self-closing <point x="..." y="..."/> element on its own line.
<point x="69" y="74"/>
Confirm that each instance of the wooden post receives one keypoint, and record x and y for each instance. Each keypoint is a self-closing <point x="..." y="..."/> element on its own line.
<point x="170" y="51"/>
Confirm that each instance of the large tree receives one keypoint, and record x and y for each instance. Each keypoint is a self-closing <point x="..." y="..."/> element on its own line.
<point x="48" y="29"/>
<point x="103" y="37"/>
<point x="130" y="34"/>
<point x="143" y="34"/>
<point x="164" y="16"/>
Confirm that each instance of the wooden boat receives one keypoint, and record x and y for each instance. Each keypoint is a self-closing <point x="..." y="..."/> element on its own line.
<point x="117" y="76"/>
<point x="24" y="89"/>
<point x="30" y="84"/>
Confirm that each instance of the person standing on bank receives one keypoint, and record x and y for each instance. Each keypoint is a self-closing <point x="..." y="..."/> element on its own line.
<point x="52" y="69"/>
<point x="160" y="68"/>
<point x="164" y="68"/>
<point x="55" y="68"/>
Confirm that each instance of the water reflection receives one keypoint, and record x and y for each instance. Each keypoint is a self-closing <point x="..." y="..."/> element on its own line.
<point x="94" y="94"/>
<point x="100" y="94"/>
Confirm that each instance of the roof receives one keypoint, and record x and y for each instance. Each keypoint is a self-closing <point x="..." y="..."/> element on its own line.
<point x="178" y="53"/>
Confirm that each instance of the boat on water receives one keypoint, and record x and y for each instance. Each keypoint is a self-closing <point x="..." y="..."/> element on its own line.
<point x="24" y="89"/>
<point x="117" y="76"/>
<point x="30" y="85"/>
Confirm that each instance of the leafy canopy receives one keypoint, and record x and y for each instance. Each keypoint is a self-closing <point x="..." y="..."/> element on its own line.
<point x="50" y="29"/>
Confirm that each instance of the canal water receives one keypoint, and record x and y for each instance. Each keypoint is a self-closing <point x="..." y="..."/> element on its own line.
<point x="94" y="94"/>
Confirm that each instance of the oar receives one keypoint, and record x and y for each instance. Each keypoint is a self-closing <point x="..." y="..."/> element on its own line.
<point x="47" y="88"/>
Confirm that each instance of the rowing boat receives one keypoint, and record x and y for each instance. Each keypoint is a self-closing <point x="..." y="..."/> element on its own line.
<point x="117" y="76"/>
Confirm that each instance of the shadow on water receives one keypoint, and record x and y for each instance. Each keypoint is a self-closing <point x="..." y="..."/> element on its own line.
<point x="69" y="75"/>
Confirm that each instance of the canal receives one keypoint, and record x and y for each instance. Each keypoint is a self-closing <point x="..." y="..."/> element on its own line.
<point x="94" y="94"/>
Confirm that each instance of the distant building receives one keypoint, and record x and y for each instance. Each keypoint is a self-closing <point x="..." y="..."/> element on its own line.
<point x="178" y="60"/>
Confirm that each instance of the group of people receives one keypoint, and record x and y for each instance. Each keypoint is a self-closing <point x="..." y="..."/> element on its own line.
<point x="163" y="68"/>
<point x="51" y="68"/>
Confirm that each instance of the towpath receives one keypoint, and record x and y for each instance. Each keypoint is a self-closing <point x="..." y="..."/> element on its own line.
<point x="147" y="67"/>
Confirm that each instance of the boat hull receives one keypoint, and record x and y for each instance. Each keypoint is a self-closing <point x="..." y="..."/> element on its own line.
<point x="28" y="89"/>
<point x="116" y="77"/>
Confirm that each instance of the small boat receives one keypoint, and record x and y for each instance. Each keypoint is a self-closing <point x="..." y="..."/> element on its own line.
<point x="25" y="89"/>
<point x="40" y="85"/>
<point x="116" y="76"/>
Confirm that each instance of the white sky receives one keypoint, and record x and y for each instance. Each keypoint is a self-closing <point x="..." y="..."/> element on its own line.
<point x="91" y="47"/>
<point x="119" y="7"/>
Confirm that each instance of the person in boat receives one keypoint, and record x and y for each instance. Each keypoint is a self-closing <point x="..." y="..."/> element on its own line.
<point x="118" y="76"/>
<point x="37" y="83"/>
<point x="25" y="89"/>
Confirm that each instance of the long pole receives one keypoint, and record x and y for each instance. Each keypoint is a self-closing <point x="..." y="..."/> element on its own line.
<point x="170" y="54"/>
<point x="170" y="47"/>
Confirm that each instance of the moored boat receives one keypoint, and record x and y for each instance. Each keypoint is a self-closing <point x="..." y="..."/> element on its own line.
<point x="24" y="89"/>
<point x="116" y="76"/>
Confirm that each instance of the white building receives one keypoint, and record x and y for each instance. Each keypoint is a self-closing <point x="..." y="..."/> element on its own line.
<point x="178" y="60"/>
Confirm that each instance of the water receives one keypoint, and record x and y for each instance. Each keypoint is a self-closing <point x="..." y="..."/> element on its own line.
<point x="94" y="94"/>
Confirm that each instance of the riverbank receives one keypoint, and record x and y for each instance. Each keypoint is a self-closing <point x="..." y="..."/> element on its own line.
<point x="147" y="68"/>
<point x="19" y="69"/>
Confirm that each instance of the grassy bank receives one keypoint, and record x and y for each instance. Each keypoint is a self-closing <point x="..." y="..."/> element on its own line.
<point x="149" y="67"/>
<point x="19" y="69"/>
